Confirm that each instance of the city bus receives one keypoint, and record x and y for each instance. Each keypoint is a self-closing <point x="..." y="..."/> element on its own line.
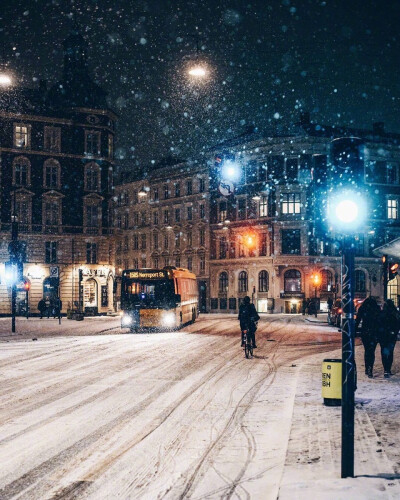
<point x="158" y="298"/>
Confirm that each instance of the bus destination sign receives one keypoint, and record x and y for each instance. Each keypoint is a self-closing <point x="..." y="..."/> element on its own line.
<point x="145" y="274"/>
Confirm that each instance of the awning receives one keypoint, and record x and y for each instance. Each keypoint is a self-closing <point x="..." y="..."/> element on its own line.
<point x="391" y="248"/>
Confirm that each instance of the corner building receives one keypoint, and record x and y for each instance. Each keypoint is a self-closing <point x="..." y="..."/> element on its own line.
<point x="268" y="229"/>
<point x="56" y="154"/>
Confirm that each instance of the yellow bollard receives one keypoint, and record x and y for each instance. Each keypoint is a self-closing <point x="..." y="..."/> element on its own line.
<point x="332" y="382"/>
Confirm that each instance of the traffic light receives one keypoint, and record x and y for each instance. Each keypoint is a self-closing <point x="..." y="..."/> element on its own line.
<point x="393" y="270"/>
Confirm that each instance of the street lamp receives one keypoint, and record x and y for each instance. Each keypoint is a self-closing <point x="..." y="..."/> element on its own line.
<point x="316" y="281"/>
<point x="346" y="212"/>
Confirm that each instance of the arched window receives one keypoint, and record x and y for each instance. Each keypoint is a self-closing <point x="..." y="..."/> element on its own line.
<point x="92" y="177"/>
<point x="292" y="281"/>
<point x="21" y="171"/>
<point x="263" y="281"/>
<point x="51" y="175"/>
<point x="326" y="280"/>
<point x="242" y="281"/>
<point x="360" y="281"/>
<point x="223" y="282"/>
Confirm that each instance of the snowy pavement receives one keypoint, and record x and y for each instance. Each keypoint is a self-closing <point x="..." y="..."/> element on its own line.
<point x="185" y="415"/>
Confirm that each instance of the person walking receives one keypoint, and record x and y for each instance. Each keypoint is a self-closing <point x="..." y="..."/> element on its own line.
<point x="390" y="326"/>
<point x="248" y="318"/>
<point x="42" y="307"/>
<point x="47" y="306"/>
<point x="57" y="306"/>
<point x="369" y="315"/>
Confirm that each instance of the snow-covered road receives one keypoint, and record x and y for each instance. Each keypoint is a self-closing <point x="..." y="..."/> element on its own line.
<point x="167" y="415"/>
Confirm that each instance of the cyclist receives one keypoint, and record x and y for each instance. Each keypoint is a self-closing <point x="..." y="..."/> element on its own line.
<point x="248" y="318"/>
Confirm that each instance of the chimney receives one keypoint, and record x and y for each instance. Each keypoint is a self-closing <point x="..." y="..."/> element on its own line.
<point x="304" y="118"/>
<point x="42" y="85"/>
<point x="378" y="128"/>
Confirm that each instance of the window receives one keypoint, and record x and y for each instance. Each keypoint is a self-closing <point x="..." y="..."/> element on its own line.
<point x="189" y="187"/>
<point x="359" y="244"/>
<point x="155" y="241"/>
<point x="292" y="281"/>
<point x="22" y="210"/>
<point x="143" y="219"/>
<point x="178" y="240"/>
<point x="360" y="281"/>
<point x="242" y="252"/>
<point x="263" y="206"/>
<point x="242" y="209"/>
<point x="292" y="166"/>
<point x="190" y="263"/>
<point x="202" y="211"/>
<point x="21" y="171"/>
<point x="189" y="238"/>
<point x="92" y="178"/>
<point x="52" y="139"/>
<point x="223" y="282"/>
<point x="166" y="192"/>
<point x="202" y="236"/>
<point x="223" y="247"/>
<point x="92" y="143"/>
<point x="155" y="194"/>
<point x="22" y="136"/>
<point x="222" y="211"/>
<point x="126" y="243"/>
<point x="135" y="197"/>
<point x="92" y="215"/>
<point x="177" y="190"/>
<point x="263" y="244"/>
<point x="392" y="208"/>
<point x="189" y="211"/>
<point x="291" y="242"/>
<point x="136" y="242"/>
<point x="166" y="241"/>
<point x="166" y="216"/>
<point x="263" y="281"/>
<point x="155" y="218"/>
<point x="136" y="263"/>
<point x="242" y="282"/>
<point x="290" y="203"/>
<point x="91" y="253"/>
<point x="381" y="172"/>
<point x="136" y="218"/>
<point x="202" y="185"/>
<point x="143" y="241"/>
<point x="110" y="146"/>
<point x="155" y="262"/>
<point x="262" y="171"/>
<point x="51" y="174"/>
<point x="202" y="264"/>
<point x="126" y="220"/>
<point x="178" y="261"/>
<point x="177" y="214"/>
<point x="119" y="221"/>
<point x="52" y="212"/>
<point x="50" y="252"/>
<point x="326" y="280"/>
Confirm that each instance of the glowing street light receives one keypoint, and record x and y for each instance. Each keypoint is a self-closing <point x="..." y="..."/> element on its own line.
<point x="198" y="72"/>
<point x="230" y="171"/>
<point x="5" y="79"/>
<point x="347" y="210"/>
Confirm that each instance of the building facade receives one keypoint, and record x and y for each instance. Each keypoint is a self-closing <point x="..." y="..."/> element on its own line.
<point x="56" y="163"/>
<point x="161" y="219"/>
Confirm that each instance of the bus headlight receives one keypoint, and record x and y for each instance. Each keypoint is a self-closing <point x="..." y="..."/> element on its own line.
<point x="126" y="320"/>
<point x="168" y="319"/>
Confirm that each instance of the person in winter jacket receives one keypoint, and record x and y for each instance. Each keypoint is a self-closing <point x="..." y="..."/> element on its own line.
<point x="390" y="326"/>
<point x="369" y="315"/>
<point x="42" y="307"/>
<point x="248" y="317"/>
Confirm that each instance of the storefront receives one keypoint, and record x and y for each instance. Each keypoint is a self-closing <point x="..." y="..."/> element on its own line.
<point x="96" y="290"/>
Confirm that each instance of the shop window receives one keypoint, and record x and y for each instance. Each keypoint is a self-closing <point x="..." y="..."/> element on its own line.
<point x="292" y="281"/>
<point x="223" y="282"/>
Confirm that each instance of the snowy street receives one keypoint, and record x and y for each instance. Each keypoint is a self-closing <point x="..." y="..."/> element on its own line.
<point x="184" y="414"/>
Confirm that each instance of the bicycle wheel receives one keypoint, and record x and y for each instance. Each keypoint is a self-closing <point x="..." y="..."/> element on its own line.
<point x="251" y="350"/>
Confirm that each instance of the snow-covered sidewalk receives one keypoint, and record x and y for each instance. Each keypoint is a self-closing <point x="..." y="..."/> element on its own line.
<point x="312" y="466"/>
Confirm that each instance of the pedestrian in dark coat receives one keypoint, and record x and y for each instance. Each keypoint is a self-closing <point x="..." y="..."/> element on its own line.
<point x="42" y="307"/>
<point x="248" y="317"/>
<point x="303" y="306"/>
<point x="57" y="306"/>
<point x="48" y="306"/>
<point x="369" y="315"/>
<point x="390" y="326"/>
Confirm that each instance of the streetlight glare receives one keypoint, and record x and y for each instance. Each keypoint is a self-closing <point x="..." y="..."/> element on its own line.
<point x="230" y="171"/>
<point x="198" y="71"/>
<point x="5" y="80"/>
<point x="346" y="211"/>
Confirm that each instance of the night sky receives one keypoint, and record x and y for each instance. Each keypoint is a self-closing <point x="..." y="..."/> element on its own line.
<point x="339" y="60"/>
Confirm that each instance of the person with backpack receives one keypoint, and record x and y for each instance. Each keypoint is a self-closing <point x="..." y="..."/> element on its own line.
<point x="369" y="315"/>
<point x="390" y="326"/>
<point x="248" y="318"/>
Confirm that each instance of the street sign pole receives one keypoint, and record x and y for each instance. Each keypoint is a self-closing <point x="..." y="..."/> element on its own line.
<point x="348" y="364"/>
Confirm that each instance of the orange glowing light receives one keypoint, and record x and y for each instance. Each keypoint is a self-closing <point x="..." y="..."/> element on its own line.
<point x="316" y="279"/>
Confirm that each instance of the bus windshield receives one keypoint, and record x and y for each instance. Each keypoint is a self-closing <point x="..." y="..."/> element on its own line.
<point x="148" y="293"/>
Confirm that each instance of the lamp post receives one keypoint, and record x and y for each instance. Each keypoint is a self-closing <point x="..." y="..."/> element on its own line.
<point x="346" y="211"/>
<point x="316" y="280"/>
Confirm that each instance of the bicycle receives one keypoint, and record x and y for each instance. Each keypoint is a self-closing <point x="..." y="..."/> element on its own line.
<point x="248" y="344"/>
